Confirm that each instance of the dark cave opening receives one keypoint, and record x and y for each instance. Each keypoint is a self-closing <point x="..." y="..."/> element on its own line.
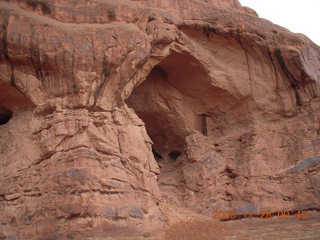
<point x="174" y="155"/>
<point x="5" y="115"/>
<point x="169" y="103"/>
<point x="156" y="155"/>
<point x="163" y="126"/>
<point x="12" y="102"/>
<point x="173" y="103"/>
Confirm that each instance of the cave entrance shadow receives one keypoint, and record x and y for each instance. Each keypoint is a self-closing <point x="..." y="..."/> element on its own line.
<point x="12" y="101"/>
<point x="180" y="96"/>
<point x="5" y="115"/>
<point x="169" y="103"/>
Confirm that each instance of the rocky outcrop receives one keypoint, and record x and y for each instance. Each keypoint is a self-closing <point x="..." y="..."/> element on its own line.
<point x="99" y="99"/>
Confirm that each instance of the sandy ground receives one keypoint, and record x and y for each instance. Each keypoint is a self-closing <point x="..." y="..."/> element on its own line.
<point x="184" y="224"/>
<point x="245" y="229"/>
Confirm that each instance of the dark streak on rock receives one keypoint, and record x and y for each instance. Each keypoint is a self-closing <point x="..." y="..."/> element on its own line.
<point x="4" y="39"/>
<point x="208" y="29"/>
<point x="35" y="57"/>
<point x="280" y="103"/>
<point x="105" y="68"/>
<point x="105" y="73"/>
<point x="5" y="48"/>
<point x="237" y="37"/>
<point x="289" y="75"/>
<point x="35" y="60"/>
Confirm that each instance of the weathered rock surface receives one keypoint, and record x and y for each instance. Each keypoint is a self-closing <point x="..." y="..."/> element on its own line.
<point x="109" y="107"/>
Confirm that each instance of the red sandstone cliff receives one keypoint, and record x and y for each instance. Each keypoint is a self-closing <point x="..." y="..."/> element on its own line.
<point x="96" y="95"/>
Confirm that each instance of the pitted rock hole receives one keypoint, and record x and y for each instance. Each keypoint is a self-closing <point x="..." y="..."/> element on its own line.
<point x="174" y="155"/>
<point x="5" y="115"/>
<point x="156" y="155"/>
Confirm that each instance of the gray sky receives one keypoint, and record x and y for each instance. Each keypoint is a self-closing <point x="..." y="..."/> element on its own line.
<point x="300" y="16"/>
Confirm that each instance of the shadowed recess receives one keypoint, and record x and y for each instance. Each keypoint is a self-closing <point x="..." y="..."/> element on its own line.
<point x="5" y="115"/>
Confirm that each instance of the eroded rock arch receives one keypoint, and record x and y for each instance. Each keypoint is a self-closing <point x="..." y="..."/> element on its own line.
<point x="84" y="164"/>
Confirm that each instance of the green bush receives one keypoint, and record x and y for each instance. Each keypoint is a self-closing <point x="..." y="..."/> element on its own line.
<point x="44" y="6"/>
<point x="111" y="14"/>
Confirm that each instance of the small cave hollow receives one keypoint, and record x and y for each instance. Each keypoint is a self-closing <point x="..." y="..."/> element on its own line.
<point x="5" y="115"/>
<point x="12" y="102"/>
<point x="174" y="155"/>
<point x="169" y="102"/>
<point x="156" y="155"/>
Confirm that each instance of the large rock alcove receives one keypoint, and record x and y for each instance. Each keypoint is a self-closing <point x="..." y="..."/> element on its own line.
<point x="177" y="99"/>
<point x="177" y="102"/>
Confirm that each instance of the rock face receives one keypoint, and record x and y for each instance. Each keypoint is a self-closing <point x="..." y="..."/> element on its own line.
<point x="96" y="95"/>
